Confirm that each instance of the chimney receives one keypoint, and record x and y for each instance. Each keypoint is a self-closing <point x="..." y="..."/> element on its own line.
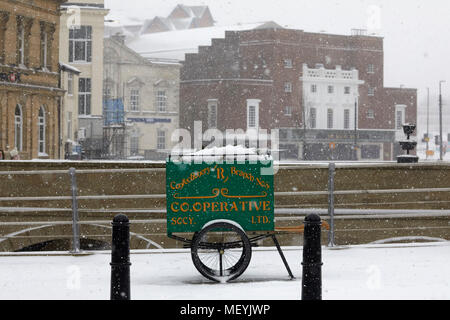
<point x="119" y="38"/>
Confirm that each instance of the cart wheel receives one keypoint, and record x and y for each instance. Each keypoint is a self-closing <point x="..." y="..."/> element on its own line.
<point x="221" y="251"/>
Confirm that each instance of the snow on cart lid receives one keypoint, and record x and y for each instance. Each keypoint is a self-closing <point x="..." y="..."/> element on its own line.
<point x="228" y="152"/>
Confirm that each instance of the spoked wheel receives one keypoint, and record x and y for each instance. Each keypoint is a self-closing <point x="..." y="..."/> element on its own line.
<point x="221" y="251"/>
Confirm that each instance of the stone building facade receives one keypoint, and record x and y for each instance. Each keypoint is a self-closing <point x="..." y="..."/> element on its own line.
<point x="81" y="46"/>
<point x="265" y="67"/>
<point x="141" y="103"/>
<point x="30" y="95"/>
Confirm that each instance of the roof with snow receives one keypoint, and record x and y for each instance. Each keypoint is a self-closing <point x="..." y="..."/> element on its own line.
<point x="175" y="44"/>
<point x="181" y="17"/>
<point x="191" y="11"/>
<point x="69" y="68"/>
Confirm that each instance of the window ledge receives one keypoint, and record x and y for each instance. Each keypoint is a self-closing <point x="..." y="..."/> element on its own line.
<point x="81" y="62"/>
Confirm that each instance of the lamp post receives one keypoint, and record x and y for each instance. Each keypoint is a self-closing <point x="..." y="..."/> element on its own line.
<point x="428" y="120"/>
<point x="355" y="147"/>
<point x="440" y="122"/>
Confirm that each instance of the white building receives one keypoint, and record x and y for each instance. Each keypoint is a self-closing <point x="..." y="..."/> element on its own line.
<point x="81" y="46"/>
<point x="330" y="97"/>
<point x="69" y="111"/>
<point x="146" y="91"/>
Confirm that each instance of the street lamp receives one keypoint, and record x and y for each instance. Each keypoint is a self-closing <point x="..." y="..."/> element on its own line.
<point x="355" y="147"/>
<point x="440" y="122"/>
<point x="428" y="120"/>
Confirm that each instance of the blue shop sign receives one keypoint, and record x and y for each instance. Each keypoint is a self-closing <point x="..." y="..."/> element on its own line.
<point x="149" y="120"/>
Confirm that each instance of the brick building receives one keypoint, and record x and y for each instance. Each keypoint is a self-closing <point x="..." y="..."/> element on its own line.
<point x="29" y="78"/>
<point x="258" y="78"/>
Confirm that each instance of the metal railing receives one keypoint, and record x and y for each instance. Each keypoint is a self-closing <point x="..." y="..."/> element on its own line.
<point x="281" y="213"/>
<point x="74" y="197"/>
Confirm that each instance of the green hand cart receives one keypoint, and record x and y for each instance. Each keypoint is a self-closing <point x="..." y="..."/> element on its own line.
<point x="221" y="209"/>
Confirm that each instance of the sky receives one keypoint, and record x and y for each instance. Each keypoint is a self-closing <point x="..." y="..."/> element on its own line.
<point x="415" y="33"/>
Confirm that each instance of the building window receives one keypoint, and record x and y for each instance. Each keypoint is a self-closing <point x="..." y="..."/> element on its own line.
<point x="106" y="92"/>
<point x="4" y="17"/>
<point x="346" y="90"/>
<point x="346" y="119"/>
<point x="253" y="113"/>
<point x="20" y="42"/>
<point x="251" y="117"/>
<point x="371" y="91"/>
<point x="399" y="119"/>
<point x="161" y="140"/>
<point x="161" y="101"/>
<point x="370" y="68"/>
<point x="70" y="84"/>
<point x="330" y="119"/>
<point x="84" y="96"/>
<point x="330" y="89"/>
<point x="288" y="111"/>
<point x="47" y="31"/>
<point x="212" y="114"/>
<point x="313" y="88"/>
<point x="41" y="128"/>
<point x="18" y="128"/>
<point x="370" y="114"/>
<point x="288" y="63"/>
<point x="134" y="144"/>
<point x="370" y="152"/>
<point x="287" y="87"/>
<point x="69" y="125"/>
<point x="44" y="49"/>
<point x="134" y="100"/>
<point x="313" y="118"/>
<point x="80" y="44"/>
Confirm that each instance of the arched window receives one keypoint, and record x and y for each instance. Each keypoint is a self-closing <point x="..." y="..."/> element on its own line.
<point x="18" y="128"/>
<point x="41" y="133"/>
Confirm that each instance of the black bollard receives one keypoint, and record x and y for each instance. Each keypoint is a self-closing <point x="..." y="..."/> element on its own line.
<point x="312" y="259"/>
<point x="120" y="258"/>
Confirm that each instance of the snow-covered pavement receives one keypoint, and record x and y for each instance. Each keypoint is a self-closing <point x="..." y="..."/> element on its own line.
<point x="389" y="271"/>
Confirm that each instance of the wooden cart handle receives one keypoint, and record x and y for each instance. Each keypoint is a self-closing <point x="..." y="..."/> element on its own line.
<point x="299" y="229"/>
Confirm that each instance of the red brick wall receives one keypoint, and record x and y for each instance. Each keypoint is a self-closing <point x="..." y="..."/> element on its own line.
<point x="393" y="96"/>
<point x="259" y="54"/>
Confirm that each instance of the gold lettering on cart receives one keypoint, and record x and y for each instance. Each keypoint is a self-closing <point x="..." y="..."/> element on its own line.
<point x="224" y="192"/>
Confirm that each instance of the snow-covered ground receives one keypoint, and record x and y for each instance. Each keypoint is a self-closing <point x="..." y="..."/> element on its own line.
<point x="389" y="271"/>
